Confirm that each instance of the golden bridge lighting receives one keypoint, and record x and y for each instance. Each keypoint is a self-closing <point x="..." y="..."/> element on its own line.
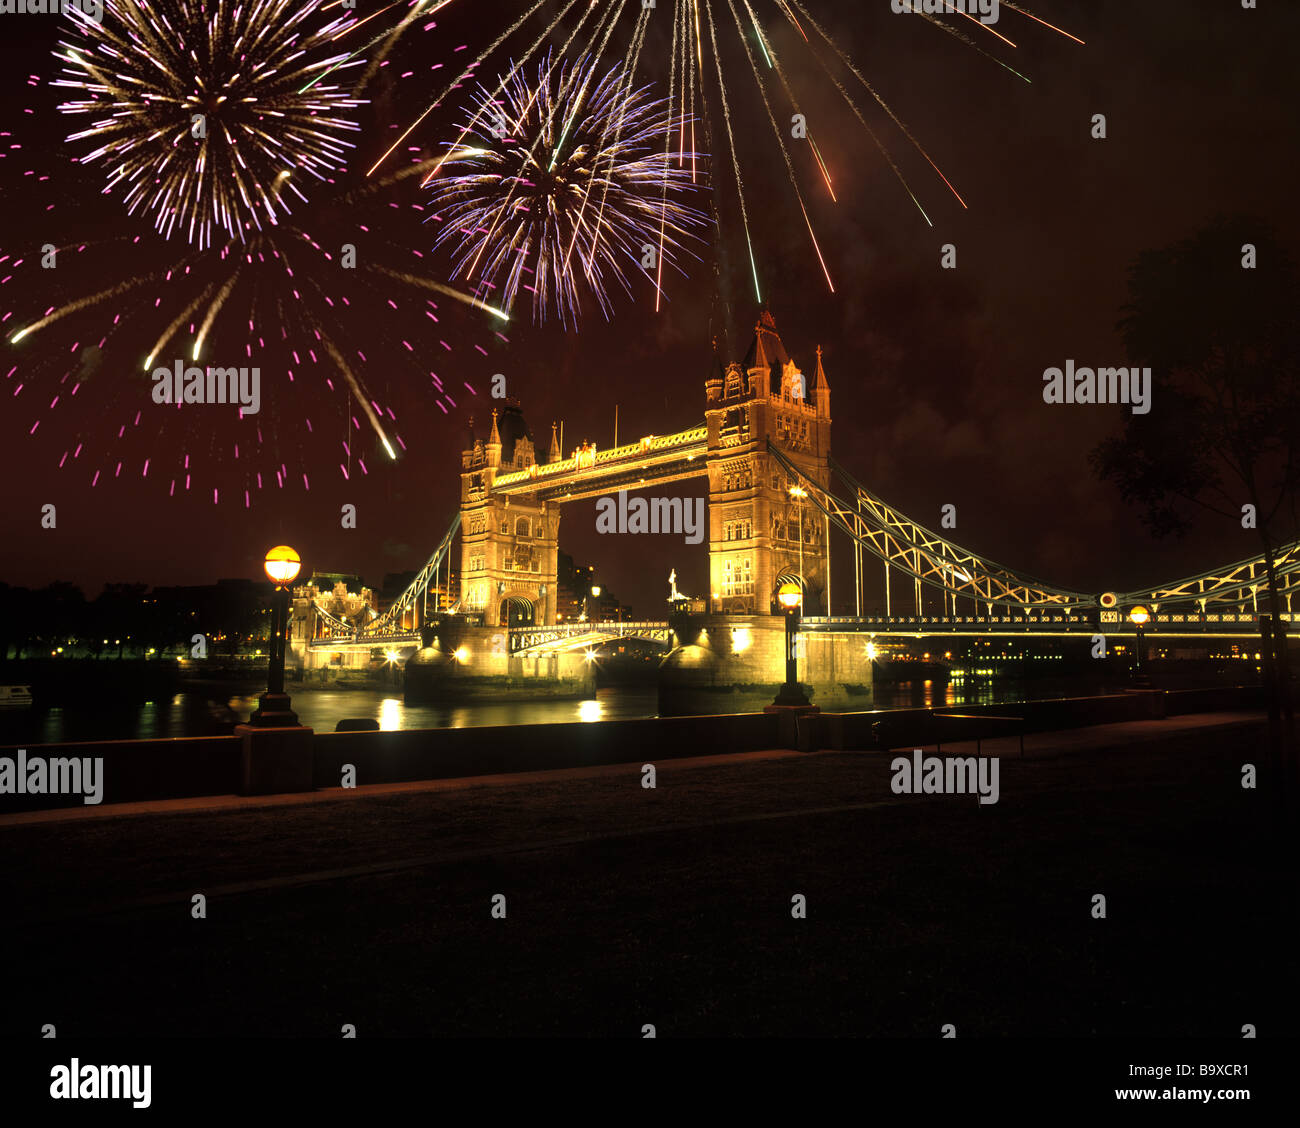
<point x="1139" y="616"/>
<point x="789" y="595"/>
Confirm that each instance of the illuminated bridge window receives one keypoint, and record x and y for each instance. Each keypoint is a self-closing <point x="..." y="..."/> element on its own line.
<point x="737" y="577"/>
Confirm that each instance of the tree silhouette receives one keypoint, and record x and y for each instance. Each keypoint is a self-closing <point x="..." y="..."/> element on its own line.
<point x="1222" y="338"/>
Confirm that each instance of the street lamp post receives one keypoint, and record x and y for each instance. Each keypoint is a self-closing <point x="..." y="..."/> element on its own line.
<point x="282" y="564"/>
<point x="1139" y="616"/>
<point x="791" y="695"/>
<point x="799" y="493"/>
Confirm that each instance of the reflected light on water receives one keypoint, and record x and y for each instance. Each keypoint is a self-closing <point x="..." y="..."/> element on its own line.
<point x="590" y="711"/>
<point x="390" y="714"/>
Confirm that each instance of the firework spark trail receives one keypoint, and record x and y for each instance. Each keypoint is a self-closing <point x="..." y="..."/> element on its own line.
<point x="785" y="7"/>
<point x="697" y="71"/>
<point x="962" y="37"/>
<point x="607" y="22"/>
<point x="177" y="322"/>
<point x="387" y="37"/>
<point x="487" y="51"/>
<point x="492" y="100"/>
<point x="158" y="71"/>
<point x="638" y="41"/>
<point x="668" y="144"/>
<point x="979" y="23"/>
<point x="683" y="25"/>
<point x="780" y="143"/>
<point x="565" y="95"/>
<point x="218" y="303"/>
<point x="880" y="145"/>
<point x="735" y="159"/>
<point x="1030" y="15"/>
<point x="775" y="63"/>
<point x="74" y="307"/>
<point x="448" y="291"/>
<point x="879" y="100"/>
<point x="360" y="395"/>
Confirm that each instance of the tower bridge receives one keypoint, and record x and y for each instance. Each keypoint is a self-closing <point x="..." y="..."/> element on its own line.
<point x="775" y="497"/>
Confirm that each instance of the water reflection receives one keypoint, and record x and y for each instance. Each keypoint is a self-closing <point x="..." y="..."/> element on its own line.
<point x="390" y="714"/>
<point x="212" y="712"/>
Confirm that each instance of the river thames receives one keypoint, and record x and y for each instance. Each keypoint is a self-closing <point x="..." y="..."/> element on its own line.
<point x="212" y="709"/>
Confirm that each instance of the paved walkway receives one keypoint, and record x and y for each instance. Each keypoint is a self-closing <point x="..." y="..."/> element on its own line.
<point x="673" y="905"/>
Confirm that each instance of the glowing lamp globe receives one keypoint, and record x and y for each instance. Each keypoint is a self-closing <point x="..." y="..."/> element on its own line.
<point x="282" y="565"/>
<point x="1139" y="616"/>
<point x="595" y="590"/>
<point x="789" y="596"/>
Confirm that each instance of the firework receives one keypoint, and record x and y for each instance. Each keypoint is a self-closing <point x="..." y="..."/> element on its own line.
<point x="205" y="111"/>
<point x="696" y="59"/>
<point x="345" y="348"/>
<point x="344" y="351"/>
<point x="562" y="187"/>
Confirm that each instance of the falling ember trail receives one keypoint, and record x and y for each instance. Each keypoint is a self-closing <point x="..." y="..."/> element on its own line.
<point x="449" y="291"/>
<point x="360" y="396"/>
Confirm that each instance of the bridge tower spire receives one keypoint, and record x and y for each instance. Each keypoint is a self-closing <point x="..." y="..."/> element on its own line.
<point x="756" y="526"/>
<point x="494" y="442"/>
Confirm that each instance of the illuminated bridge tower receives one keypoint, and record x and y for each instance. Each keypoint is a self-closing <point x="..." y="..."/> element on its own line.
<point x="508" y="543"/>
<point x="754" y="522"/>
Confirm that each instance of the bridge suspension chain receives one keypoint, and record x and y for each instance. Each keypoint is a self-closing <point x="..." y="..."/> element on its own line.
<point x="930" y="559"/>
<point x="1238" y="584"/>
<point x="390" y="621"/>
<point x="926" y="556"/>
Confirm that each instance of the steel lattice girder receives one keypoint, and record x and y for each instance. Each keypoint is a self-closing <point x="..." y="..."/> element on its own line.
<point x="896" y="539"/>
<point x="383" y="625"/>
<point x="1227" y="584"/>
<point x="339" y="628"/>
<point x="898" y="536"/>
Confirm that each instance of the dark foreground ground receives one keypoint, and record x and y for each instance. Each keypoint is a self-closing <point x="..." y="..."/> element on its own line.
<point x="672" y="906"/>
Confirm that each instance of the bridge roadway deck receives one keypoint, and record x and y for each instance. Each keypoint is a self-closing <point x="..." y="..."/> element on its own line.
<point x="653" y="460"/>
<point x="524" y="639"/>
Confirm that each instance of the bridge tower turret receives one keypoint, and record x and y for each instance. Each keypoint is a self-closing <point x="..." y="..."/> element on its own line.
<point x="754" y="521"/>
<point x="509" y="544"/>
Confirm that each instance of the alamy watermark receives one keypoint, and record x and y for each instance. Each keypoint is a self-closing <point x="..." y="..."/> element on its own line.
<point x="1104" y="385"/>
<point x="946" y="775"/>
<point x="242" y="386"/>
<point x="58" y="775"/>
<point x="93" y="10"/>
<point x="682" y="516"/>
<point x="102" y="1082"/>
<point x="985" y="10"/>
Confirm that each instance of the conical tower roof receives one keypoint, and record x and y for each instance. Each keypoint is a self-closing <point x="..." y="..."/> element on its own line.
<point x="767" y="350"/>
<point x="819" y="377"/>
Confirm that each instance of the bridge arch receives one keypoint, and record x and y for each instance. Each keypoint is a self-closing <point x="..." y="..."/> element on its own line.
<point x="516" y="610"/>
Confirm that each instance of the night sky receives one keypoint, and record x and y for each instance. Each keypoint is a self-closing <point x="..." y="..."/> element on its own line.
<point x="936" y="375"/>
